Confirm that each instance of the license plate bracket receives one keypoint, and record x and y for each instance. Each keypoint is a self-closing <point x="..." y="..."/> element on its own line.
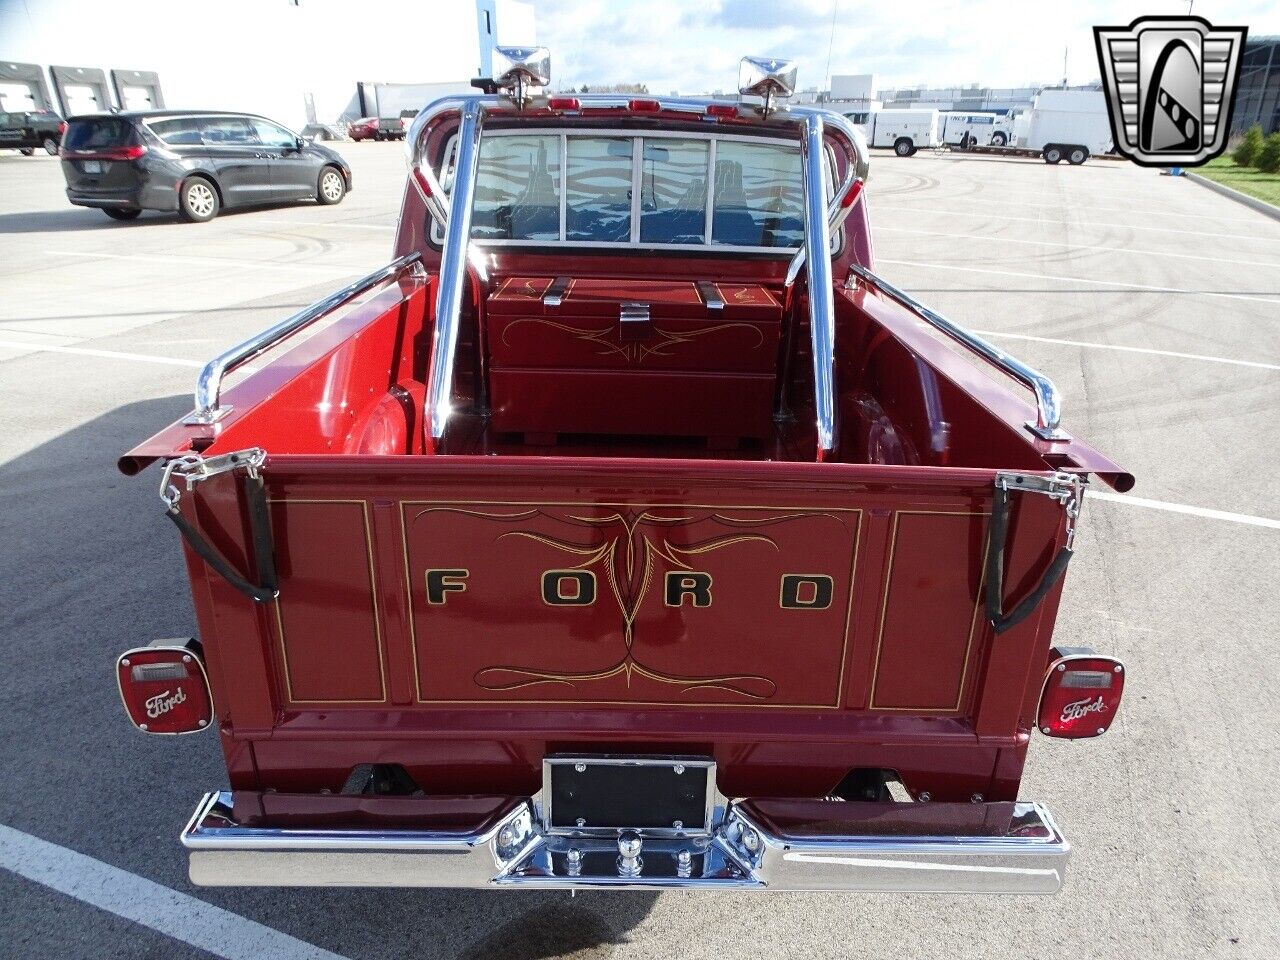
<point x="659" y="796"/>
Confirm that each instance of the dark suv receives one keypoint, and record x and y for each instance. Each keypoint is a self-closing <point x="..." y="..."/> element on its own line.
<point x="30" y="129"/>
<point x="193" y="162"/>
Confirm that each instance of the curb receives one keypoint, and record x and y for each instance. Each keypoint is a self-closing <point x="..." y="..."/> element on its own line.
<point x="1261" y="206"/>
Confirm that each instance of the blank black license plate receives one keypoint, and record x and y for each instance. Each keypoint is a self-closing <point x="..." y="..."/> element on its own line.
<point x="640" y="795"/>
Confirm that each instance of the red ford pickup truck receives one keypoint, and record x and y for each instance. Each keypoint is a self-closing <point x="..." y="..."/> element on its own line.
<point x="625" y="531"/>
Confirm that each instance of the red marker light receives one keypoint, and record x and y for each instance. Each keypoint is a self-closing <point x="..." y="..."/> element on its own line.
<point x="723" y="111"/>
<point x="639" y="105"/>
<point x="851" y="197"/>
<point x="564" y="103"/>
<point x="164" y="687"/>
<point x="1081" y="696"/>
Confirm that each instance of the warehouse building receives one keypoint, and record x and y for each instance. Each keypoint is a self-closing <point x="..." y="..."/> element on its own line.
<point x="297" y="61"/>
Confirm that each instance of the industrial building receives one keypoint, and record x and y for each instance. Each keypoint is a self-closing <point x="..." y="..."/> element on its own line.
<point x="1258" y="92"/>
<point x="298" y="61"/>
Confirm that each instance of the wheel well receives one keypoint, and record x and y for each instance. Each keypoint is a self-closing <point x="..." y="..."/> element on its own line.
<point x="217" y="187"/>
<point x="334" y="166"/>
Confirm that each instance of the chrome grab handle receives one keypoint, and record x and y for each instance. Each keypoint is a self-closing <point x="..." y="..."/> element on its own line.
<point x="1048" y="400"/>
<point x="209" y="384"/>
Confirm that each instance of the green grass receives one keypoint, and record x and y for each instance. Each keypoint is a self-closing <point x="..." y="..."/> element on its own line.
<point x="1223" y="170"/>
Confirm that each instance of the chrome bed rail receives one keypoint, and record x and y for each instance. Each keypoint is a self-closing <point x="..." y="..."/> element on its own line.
<point x="822" y="220"/>
<point x="847" y="850"/>
<point x="1048" y="400"/>
<point x="208" y="409"/>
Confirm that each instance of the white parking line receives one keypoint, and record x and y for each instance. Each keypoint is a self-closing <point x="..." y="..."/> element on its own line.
<point x="105" y="354"/>
<point x="1115" y="284"/>
<point x="326" y="223"/>
<point x="1204" y="512"/>
<point x="1083" y="247"/>
<point x="1113" y="346"/>
<point x="208" y="261"/>
<point x="177" y="915"/>
<point x="888" y="202"/>
<point x="1068" y="203"/>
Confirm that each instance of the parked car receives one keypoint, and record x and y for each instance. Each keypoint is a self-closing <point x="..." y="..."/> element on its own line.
<point x="194" y="163"/>
<point x="664" y="545"/>
<point x="30" y="129"/>
<point x="366" y="128"/>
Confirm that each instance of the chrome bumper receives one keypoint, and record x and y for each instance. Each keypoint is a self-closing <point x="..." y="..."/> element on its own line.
<point x="1007" y="848"/>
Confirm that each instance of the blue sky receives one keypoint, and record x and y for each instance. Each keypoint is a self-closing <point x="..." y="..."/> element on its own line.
<point x="695" y="47"/>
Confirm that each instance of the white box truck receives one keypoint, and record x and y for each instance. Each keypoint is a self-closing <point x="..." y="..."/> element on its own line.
<point x="905" y="131"/>
<point x="1069" y="125"/>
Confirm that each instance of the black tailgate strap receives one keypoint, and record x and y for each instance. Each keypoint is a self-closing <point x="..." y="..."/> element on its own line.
<point x="1066" y="489"/>
<point x="194" y="469"/>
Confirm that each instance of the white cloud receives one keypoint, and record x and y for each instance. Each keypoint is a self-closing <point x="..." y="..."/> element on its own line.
<point x="695" y="47"/>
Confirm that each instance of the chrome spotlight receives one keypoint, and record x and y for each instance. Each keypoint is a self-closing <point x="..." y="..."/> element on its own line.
<point x="519" y="70"/>
<point x="767" y="78"/>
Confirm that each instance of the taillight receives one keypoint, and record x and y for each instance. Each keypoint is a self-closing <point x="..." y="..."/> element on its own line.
<point x="724" y="111"/>
<point x="1081" y="695"/>
<point x="107" y="153"/>
<point x="122" y="153"/>
<point x="564" y="103"/>
<point x="639" y="105"/>
<point x="62" y="128"/>
<point x="164" y="687"/>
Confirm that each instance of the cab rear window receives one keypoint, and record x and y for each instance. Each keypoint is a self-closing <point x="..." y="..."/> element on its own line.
<point x="98" y="133"/>
<point x="619" y="188"/>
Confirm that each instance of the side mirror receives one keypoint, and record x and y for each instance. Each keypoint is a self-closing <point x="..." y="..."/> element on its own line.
<point x="299" y="143"/>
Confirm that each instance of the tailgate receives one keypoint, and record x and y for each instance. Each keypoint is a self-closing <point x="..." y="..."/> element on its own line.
<point x="501" y="580"/>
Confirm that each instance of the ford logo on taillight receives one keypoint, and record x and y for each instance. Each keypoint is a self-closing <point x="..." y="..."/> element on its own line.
<point x="164" y="687"/>
<point x="1081" y="695"/>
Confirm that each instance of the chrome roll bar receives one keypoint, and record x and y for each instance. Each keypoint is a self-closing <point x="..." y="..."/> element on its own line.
<point x="453" y="269"/>
<point x="1048" y="400"/>
<point x="208" y="409"/>
<point x="855" y="172"/>
<point x="821" y="222"/>
<point x="822" y="310"/>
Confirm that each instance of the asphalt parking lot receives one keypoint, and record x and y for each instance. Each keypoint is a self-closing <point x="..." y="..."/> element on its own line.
<point x="1152" y="302"/>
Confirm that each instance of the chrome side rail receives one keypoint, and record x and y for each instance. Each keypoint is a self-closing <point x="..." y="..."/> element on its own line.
<point x="208" y="408"/>
<point x="1027" y="855"/>
<point x="1048" y="400"/>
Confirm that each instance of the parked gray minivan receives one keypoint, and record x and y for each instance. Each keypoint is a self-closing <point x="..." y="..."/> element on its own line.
<point x="194" y="162"/>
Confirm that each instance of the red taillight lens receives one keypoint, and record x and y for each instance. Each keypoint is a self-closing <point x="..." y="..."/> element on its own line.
<point x="851" y="197"/>
<point x="1081" y="696"/>
<point x="638" y="105"/>
<point x="564" y="103"/>
<point x="124" y="153"/>
<point x="62" y="128"/>
<point x="164" y="687"/>
<point x="725" y="111"/>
